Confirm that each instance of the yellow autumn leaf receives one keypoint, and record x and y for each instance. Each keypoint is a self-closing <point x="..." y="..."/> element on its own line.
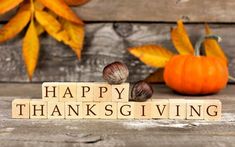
<point x="75" y="2"/>
<point x="181" y="40"/>
<point x="15" y="24"/>
<point x="38" y="5"/>
<point x="60" y="8"/>
<point x="212" y="47"/>
<point x="152" y="55"/>
<point x="39" y="28"/>
<point x="31" y="49"/>
<point x="6" y="5"/>
<point x="156" y="77"/>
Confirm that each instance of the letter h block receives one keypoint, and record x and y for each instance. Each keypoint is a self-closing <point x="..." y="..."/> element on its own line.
<point x="50" y="91"/>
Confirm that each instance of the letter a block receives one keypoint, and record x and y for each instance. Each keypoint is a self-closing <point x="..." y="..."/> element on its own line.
<point x="38" y="109"/>
<point x="85" y="92"/>
<point x="102" y="92"/>
<point x="91" y="110"/>
<point x="212" y="110"/>
<point x="120" y="93"/>
<point x="50" y="91"/>
<point x="142" y="110"/>
<point x="56" y="110"/>
<point x="20" y="108"/>
<point x="125" y="110"/>
<point x="195" y="109"/>
<point x="177" y="109"/>
<point x="160" y="108"/>
<point x="108" y="110"/>
<point x="73" y="110"/>
<point x="67" y="92"/>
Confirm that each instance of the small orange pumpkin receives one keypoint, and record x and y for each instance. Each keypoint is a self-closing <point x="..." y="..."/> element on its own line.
<point x="195" y="74"/>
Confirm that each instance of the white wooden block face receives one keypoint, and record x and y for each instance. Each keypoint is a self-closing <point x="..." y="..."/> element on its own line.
<point x="56" y="110"/>
<point x="120" y="93"/>
<point x="126" y="110"/>
<point x="67" y="92"/>
<point x="20" y="108"/>
<point x="142" y="110"/>
<point x="38" y="109"/>
<point x="195" y="109"/>
<point x="85" y="91"/>
<point x="73" y="110"/>
<point x="91" y="110"/>
<point x="177" y="109"/>
<point x="102" y="92"/>
<point x="108" y="110"/>
<point x="160" y="108"/>
<point x="50" y="91"/>
<point x="212" y="110"/>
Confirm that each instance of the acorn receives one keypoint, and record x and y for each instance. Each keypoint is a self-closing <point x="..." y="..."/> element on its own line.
<point x="141" y="91"/>
<point x="115" y="73"/>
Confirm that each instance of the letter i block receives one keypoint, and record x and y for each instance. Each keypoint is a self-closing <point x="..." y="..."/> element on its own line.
<point x="85" y="92"/>
<point x="50" y="91"/>
<point x="91" y="110"/>
<point x="195" y="109"/>
<point x="73" y="110"/>
<point x="102" y="92"/>
<point x="67" y="92"/>
<point x="212" y="110"/>
<point x="38" y="109"/>
<point x="108" y="110"/>
<point x="56" y="110"/>
<point x="120" y="93"/>
<point x="126" y="110"/>
<point x="20" y="108"/>
<point x="142" y="110"/>
<point x="177" y="109"/>
<point x="160" y="108"/>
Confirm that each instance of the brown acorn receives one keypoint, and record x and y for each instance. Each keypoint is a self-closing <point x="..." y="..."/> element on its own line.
<point x="141" y="91"/>
<point x="115" y="73"/>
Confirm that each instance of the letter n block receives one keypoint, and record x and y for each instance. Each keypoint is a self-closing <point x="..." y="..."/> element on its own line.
<point x="91" y="110"/>
<point x="67" y="92"/>
<point x="50" y="91"/>
<point x="38" y="109"/>
<point x="212" y="110"/>
<point x="73" y="110"/>
<point x="56" y="110"/>
<point x="20" y="108"/>
<point x="85" y="91"/>
<point x="160" y="108"/>
<point x="195" y="109"/>
<point x="102" y="92"/>
<point x="177" y="109"/>
<point x="120" y="93"/>
<point x="108" y="110"/>
<point x="142" y="110"/>
<point x="126" y="110"/>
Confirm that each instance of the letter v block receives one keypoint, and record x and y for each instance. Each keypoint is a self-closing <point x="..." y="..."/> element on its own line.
<point x="195" y="109"/>
<point x="50" y="91"/>
<point x="120" y="93"/>
<point x="91" y="110"/>
<point x="102" y="92"/>
<point x="20" y="108"/>
<point x="177" y="109"/>
<point x="73" y="110"/>
<point x="212" y="110"/>
<point x="67" y="92"/>
<point x="56" y="110"/>
<point x="160" y="108"/>
<point x="38" y="109"/>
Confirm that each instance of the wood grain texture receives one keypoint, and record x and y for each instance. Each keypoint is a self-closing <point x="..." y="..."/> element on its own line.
<point x="63" y="133"/>
<point x="105" y="42"/>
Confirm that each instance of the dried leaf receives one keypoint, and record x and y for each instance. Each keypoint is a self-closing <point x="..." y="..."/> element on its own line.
<point x="181" y="40"/>
<point x="156" y="77"/>
<point x="38" y="5"/>
<point x="16" y="24"/>
<point x="75" y="2"/>
<point x="39" y="28"/>
<point x="62" y="9"/>
<point x="152" y="55"/>
<point x="212" y="47"/>
<point x="7" y="5"/>
<point x="31" y="49"/>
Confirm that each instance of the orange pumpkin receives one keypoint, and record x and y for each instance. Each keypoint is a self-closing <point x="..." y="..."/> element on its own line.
<point x="195" y="74"/>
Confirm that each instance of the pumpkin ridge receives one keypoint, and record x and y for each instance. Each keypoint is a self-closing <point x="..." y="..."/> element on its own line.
<point x="182" y="84"/>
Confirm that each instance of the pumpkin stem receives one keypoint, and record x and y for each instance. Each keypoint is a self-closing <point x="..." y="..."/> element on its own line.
<point x="231" y="78"/>
<point x="201" y="40"/>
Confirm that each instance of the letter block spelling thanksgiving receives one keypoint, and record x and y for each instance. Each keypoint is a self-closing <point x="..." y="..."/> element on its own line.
<point x="93" y="100"/>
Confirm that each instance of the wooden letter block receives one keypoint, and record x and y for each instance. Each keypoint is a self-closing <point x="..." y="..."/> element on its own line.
<point x="160" y="108"/>
<point x="125" y="110"/>
<point x="108" y="110"/>
<point x="195" y="109"/>
<point x="38" y="109"/>
<point x="20" y="108"/>
<point x="91" y="110"/>
<point x="177" y="109"/>
<point x="212" y="110"/>
<point x="56" y="110"/>
<point x="142" y="110"/>
<point x="50" y="91"/>
<point x="73" y="110"/>
<point x="120" y="93"/>
<point x="85" y="92"/>
<point x="67" y="92"/>
<point x="102" y="92"/>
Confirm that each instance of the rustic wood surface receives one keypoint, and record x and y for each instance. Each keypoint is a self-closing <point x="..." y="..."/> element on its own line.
<point x="105" y="42"/>
<point x="157" y="10"/>
<point x="63" y="133"/>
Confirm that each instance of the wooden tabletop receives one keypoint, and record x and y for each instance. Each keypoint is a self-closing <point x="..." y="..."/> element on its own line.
<point x="63" y="133"/>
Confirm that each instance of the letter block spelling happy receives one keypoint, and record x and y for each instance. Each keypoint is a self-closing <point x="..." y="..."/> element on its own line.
<point x="50" y="91"/>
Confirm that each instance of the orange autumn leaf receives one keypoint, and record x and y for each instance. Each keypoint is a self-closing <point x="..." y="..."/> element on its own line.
<point x="212" y="47"/>
<point x="15" y="24"/>
<point x="31" y="49"/>
<point x="152" y="55"/>
<point x="181" y="40"/>
<point x="75" y="2"/>
<point x="60" y="8"/>
<point x="7" y="5"/>
<point x="39" y="28"/>
<point x="38" y="5"/>
<point x="156" y="77"/>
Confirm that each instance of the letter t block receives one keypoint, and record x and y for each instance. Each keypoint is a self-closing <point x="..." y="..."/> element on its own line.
<point x="20" y="108"/>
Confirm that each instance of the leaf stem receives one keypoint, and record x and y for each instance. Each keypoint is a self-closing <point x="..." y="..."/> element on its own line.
<point x="231" y="78"/>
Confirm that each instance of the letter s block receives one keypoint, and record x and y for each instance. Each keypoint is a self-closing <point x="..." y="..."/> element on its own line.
<point x="120" y="93"/>
<point x="126" y="110"/>
<point x="108" y="110"/>
<point x="20" y="108"/>
<point x="50" y="91"/>
<point x="212" y="110"/>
